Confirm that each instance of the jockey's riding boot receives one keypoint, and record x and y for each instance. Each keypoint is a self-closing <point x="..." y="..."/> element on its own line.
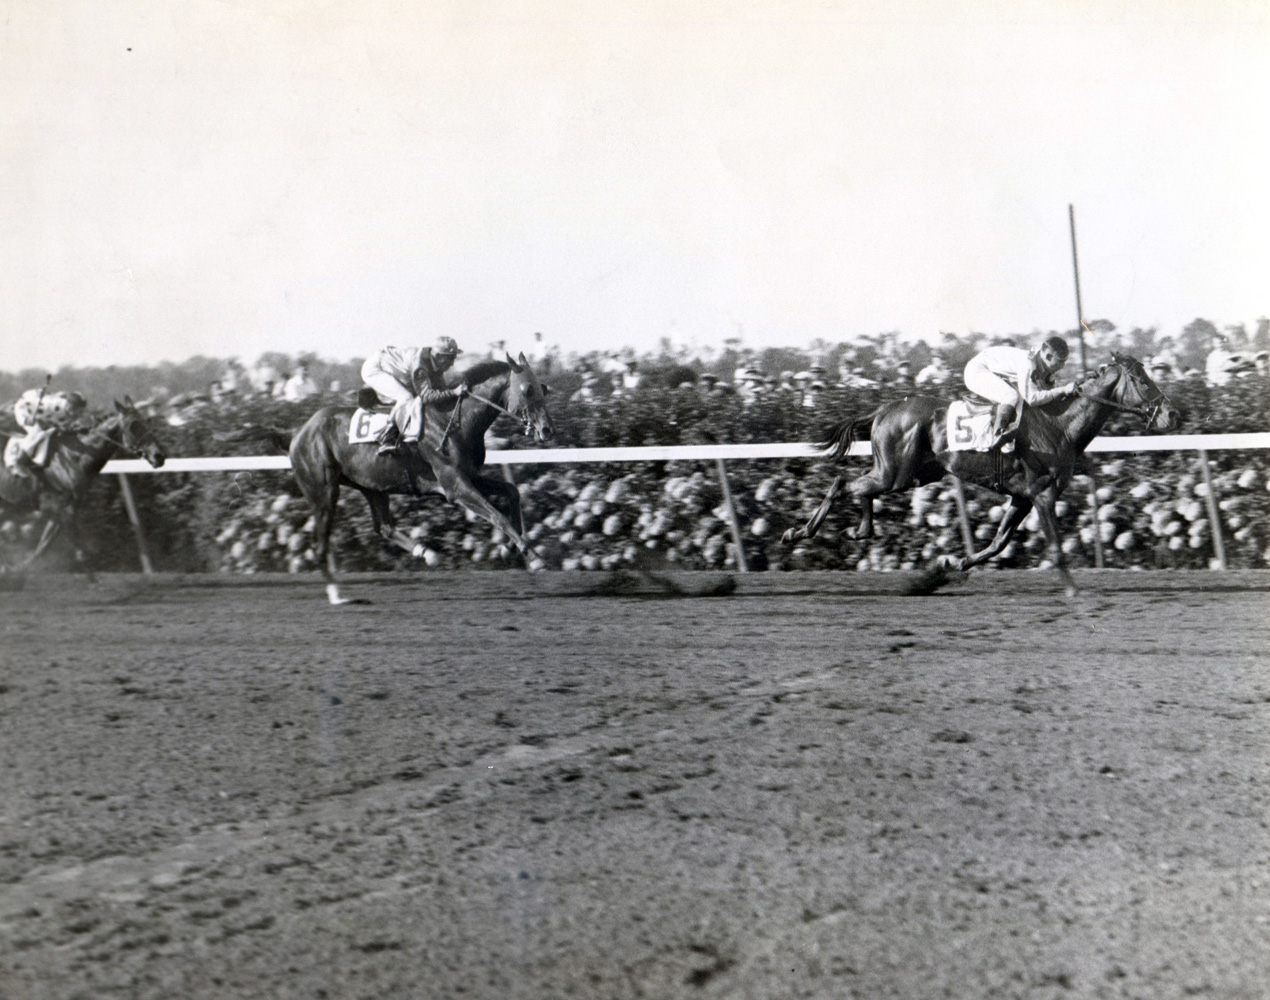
<point x="389" y="440"/>
<point x="1003" y="424"/>
<point x="27" y="466"/>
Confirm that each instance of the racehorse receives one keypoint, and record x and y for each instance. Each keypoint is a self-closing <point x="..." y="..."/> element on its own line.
<point x="448" y="460"/>
<point x="75" y="459"/>
<point x="910" y="448"/>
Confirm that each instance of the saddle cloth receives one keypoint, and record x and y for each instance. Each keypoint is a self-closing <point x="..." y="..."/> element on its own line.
<point x="366" y="426"/>
<point x="39" y="454"/>
<point x="969" y="425"/>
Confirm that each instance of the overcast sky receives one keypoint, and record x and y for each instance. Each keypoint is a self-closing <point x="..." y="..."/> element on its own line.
<point x="226" y="177"/>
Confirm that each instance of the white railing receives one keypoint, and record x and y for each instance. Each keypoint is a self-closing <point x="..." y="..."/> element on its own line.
<point x="693" y="453"/>
<point x="721" y="453"/>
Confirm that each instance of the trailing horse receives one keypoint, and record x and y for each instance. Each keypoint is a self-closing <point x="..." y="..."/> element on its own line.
<point x="75" y="460"/>
<point x="910" y="448"/>
<point x="447" y="460"/>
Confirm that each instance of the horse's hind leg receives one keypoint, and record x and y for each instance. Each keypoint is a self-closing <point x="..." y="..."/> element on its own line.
<point x="323" y="493"/>
<point x="1014" y="515"/>
<point x="386" y="525"/>
<point x="818" y="517"/>
<point x="892" y="472"/>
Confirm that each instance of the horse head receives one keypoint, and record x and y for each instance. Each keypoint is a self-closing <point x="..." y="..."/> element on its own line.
<point x="1129" y="387"/>
<point x="135" y="434"/>
<point x="527" y="399"/>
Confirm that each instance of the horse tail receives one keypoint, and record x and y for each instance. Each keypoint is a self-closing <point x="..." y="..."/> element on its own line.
<point x="838" y="439"/>
<point x="279" y="437"/>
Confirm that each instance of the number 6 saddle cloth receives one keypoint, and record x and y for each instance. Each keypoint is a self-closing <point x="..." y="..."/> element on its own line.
<point x="969" y="425"/>
<point x="369" y="420"/>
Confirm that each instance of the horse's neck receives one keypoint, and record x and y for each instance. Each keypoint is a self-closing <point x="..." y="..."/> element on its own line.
<point x="95" y="449"/>
<point x="495" y="390"/>
<point x="1084" y="418"/>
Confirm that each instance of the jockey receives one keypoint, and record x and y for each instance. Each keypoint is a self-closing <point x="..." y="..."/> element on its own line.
<point x="1011" y="376"/>
<point x="411" y="377"/>
<point x="41" y="414"/>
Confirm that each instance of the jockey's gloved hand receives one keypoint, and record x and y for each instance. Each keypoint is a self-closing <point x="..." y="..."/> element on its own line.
<point x="461" y="390"/>
<point x="1069" y="389"/>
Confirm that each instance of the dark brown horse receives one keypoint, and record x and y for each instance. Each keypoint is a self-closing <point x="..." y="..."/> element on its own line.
<point x="448" y="460"/>
<point x="75" y="460"/>
<point x="910" y="448"/>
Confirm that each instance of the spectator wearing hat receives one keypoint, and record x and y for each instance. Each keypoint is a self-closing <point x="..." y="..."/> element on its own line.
<point x="1223" y="363"/>
<point x="299" y="386"/>
<point x="265" y="380"/>
<point x="934" y="374"/>
<point x="627" y="380"/>
<point x="1161" y="370"/>
<point x="586" y="393"/>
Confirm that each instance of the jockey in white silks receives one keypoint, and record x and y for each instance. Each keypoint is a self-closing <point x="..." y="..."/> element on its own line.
<point x="1011" y="376"/>
<point x="40" y="413"/>
<point x="412" y="378"/>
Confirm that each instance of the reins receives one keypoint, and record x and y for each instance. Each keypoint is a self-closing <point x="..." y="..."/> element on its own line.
<point x="459" y="402"/>
<point x="490" y="402"/>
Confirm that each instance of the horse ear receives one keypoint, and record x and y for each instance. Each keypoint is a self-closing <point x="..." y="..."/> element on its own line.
<point x="128" y="403"/>
<point x="515" y="367"/>
<point x="546" y="389"/>
<point x="523" y="360"/>
<point x="119" y="406"/>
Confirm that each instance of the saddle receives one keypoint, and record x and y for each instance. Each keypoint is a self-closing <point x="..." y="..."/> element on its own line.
<point x="369" y="399"/>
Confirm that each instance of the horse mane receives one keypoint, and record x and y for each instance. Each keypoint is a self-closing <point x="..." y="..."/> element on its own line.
<point x="482" y="371"/>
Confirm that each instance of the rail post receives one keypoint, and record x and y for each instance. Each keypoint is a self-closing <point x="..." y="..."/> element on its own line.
<point x="1214" y="521"/>
<point x="130" y="505"/>
<point x="732" y="519"/>
<point x="1099" y="561"/>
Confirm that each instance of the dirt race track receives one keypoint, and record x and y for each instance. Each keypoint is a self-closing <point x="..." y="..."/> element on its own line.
<point x="570" y="785"/>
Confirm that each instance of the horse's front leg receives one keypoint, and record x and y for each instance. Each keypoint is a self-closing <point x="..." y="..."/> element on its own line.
<point x="458" y="489"/>
<point x="818" y="518"/>
<point x="77" y="546"/>
<point x="1045" y="502"/>
<point x="52" y="527"/>
<point x="498" y="486"/>
<point x="1014" y="514"/>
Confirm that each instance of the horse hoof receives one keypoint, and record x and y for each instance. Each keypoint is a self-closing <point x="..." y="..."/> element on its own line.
<point x="333" y="595"/>
<point x="790" y="536"/>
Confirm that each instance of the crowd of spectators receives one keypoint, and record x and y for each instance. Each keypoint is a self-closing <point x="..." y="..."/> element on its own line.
<point x="1144" y="510"/>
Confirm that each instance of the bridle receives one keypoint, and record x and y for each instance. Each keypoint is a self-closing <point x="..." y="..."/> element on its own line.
<point x="525" y="418"/>
<point x="1150" y="407"/>
<point x="125" y="442"/>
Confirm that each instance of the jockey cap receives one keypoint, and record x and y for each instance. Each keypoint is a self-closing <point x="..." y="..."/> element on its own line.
<point x="446" y="345"/>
